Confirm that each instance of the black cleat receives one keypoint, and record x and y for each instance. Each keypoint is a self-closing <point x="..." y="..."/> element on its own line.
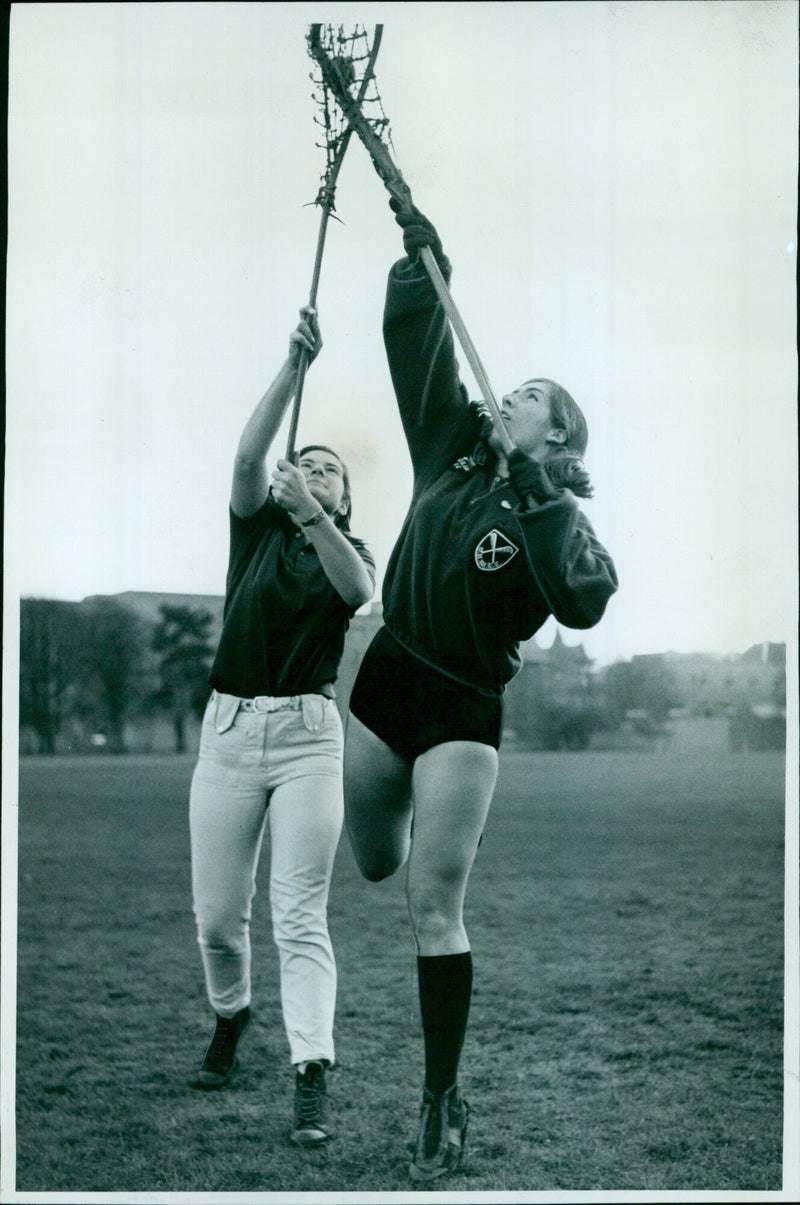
<point x="219" y="1062"/>
<point x="441" y="1136"/>
<point x="311" y="1126"/>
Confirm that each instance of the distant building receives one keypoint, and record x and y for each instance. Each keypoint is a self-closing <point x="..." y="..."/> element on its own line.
<point x="719" y="685"/>
<point x="551" y="702"/>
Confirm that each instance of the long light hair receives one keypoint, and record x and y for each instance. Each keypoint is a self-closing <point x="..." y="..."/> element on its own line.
<point x="564" y="461"/>
<point x="567" y="414"/>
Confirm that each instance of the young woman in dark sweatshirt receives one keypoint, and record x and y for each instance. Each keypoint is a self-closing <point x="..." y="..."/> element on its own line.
<point x="491" y="546"/>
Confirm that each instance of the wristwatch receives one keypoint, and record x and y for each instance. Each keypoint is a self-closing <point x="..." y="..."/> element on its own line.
<point x="314" y="520"/>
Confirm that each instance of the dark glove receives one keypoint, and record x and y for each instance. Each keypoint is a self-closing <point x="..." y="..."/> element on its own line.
<point x="419" y="232"/>
<point x="529" y="476"/>
<point x="483" y="417"/>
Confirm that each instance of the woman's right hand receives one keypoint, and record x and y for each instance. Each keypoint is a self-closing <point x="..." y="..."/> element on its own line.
<point x="305" y="337"/>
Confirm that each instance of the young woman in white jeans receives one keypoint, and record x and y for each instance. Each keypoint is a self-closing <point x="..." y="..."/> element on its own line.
<point x="271" y="742"/>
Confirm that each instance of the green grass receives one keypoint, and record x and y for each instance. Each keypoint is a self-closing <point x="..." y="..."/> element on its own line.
<point x="625" y="913"/>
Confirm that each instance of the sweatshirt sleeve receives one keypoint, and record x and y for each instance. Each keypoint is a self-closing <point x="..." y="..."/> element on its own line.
<point x="433" y="403"/>
<point x="571" y="567"/>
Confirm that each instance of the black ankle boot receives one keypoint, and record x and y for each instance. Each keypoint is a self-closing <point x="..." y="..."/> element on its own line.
<point x="311" y="1125"/>
<point x="219" y="1061"/>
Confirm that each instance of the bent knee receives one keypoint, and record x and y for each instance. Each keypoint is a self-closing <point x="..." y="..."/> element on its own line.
<point x="217" y="941"/>
<point x="378" y="861"/>
<point x="221" y="931"/>
<point x="376" y="869"/>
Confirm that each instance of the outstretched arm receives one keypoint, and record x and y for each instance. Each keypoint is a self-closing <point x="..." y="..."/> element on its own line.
<point x="419" y="345"/>
<point x="250" y="485"/>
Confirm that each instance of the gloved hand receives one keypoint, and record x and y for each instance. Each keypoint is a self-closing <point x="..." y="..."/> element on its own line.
<point x="483" y="417"/>
<point x="529" y="476"/>
<point x="418" y="232"/>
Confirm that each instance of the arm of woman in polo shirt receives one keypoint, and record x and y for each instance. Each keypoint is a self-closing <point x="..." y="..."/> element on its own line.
<point x="250" y="484"/>
<point x="343" y="565"/>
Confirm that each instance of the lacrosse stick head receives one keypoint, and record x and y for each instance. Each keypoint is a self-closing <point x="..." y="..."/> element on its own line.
<point x="349" y="57"/>
<point x="346" y="70"/>
<point x="373" y="130"/>
<point x="357" y="99"/>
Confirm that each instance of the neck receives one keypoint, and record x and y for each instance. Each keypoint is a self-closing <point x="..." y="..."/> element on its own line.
<point x="540" y="454"/>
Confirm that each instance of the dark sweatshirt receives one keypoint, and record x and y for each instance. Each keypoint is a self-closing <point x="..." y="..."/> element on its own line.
<point x="472" y="573"/>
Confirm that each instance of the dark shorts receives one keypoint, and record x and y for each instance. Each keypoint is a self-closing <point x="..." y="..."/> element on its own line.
<point x="413" y="707"/>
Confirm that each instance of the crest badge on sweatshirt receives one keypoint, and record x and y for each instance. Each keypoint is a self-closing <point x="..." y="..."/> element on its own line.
<point x="494" y="551"/>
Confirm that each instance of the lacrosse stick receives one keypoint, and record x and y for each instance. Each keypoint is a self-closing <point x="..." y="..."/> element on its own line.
<point x="351" y="61"/>
<point x="374" y="133"/>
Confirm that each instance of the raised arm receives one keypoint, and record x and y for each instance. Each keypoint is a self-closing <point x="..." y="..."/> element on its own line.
<point x="421" y="353"/>
<point x="250" y="486"/>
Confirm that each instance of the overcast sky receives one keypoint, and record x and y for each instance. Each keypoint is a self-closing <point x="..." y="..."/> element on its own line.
<point x="615" y="184"/>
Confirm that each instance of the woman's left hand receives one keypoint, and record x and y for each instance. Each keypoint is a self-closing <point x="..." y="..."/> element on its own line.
<point x="290" y="491"/>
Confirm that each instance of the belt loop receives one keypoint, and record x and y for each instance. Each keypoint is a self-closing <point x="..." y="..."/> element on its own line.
<point x="225" y="714"/>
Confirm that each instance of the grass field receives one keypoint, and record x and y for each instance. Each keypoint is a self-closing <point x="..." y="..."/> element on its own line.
<point x="625" y="913"/>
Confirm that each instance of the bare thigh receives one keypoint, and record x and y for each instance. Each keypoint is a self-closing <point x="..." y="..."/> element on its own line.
<point x="453" y="785"/>
<point x="377" y="802"/>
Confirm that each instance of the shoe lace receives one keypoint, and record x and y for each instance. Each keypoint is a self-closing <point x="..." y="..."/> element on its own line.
<point x="309" y="1095"/>
<point x="224" y="1035"/>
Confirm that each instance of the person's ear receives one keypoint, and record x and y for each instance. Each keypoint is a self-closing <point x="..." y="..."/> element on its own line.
<point x="557" y="436"/>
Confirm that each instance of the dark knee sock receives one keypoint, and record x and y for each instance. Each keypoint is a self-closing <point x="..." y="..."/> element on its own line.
<point x="445" y="990"/>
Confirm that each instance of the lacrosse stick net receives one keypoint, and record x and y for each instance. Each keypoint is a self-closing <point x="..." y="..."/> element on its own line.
<point x="375" y="134"/>
<point x="351" y="59"/>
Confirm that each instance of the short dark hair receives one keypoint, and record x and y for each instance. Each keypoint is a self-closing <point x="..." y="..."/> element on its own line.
<point x="342" y="518"/>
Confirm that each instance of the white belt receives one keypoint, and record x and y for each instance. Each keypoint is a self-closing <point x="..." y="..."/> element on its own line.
<point x="271" y="703"/>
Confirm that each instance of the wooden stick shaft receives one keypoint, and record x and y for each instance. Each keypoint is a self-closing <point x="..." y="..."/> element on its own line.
<point x="326" y="202"/>
<point x="449" y="306"/>
<point x="302" y="366"/>
<point x="462" y="334"/>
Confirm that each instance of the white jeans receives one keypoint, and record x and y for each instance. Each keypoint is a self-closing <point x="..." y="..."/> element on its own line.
<point x="286" y="767"/>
